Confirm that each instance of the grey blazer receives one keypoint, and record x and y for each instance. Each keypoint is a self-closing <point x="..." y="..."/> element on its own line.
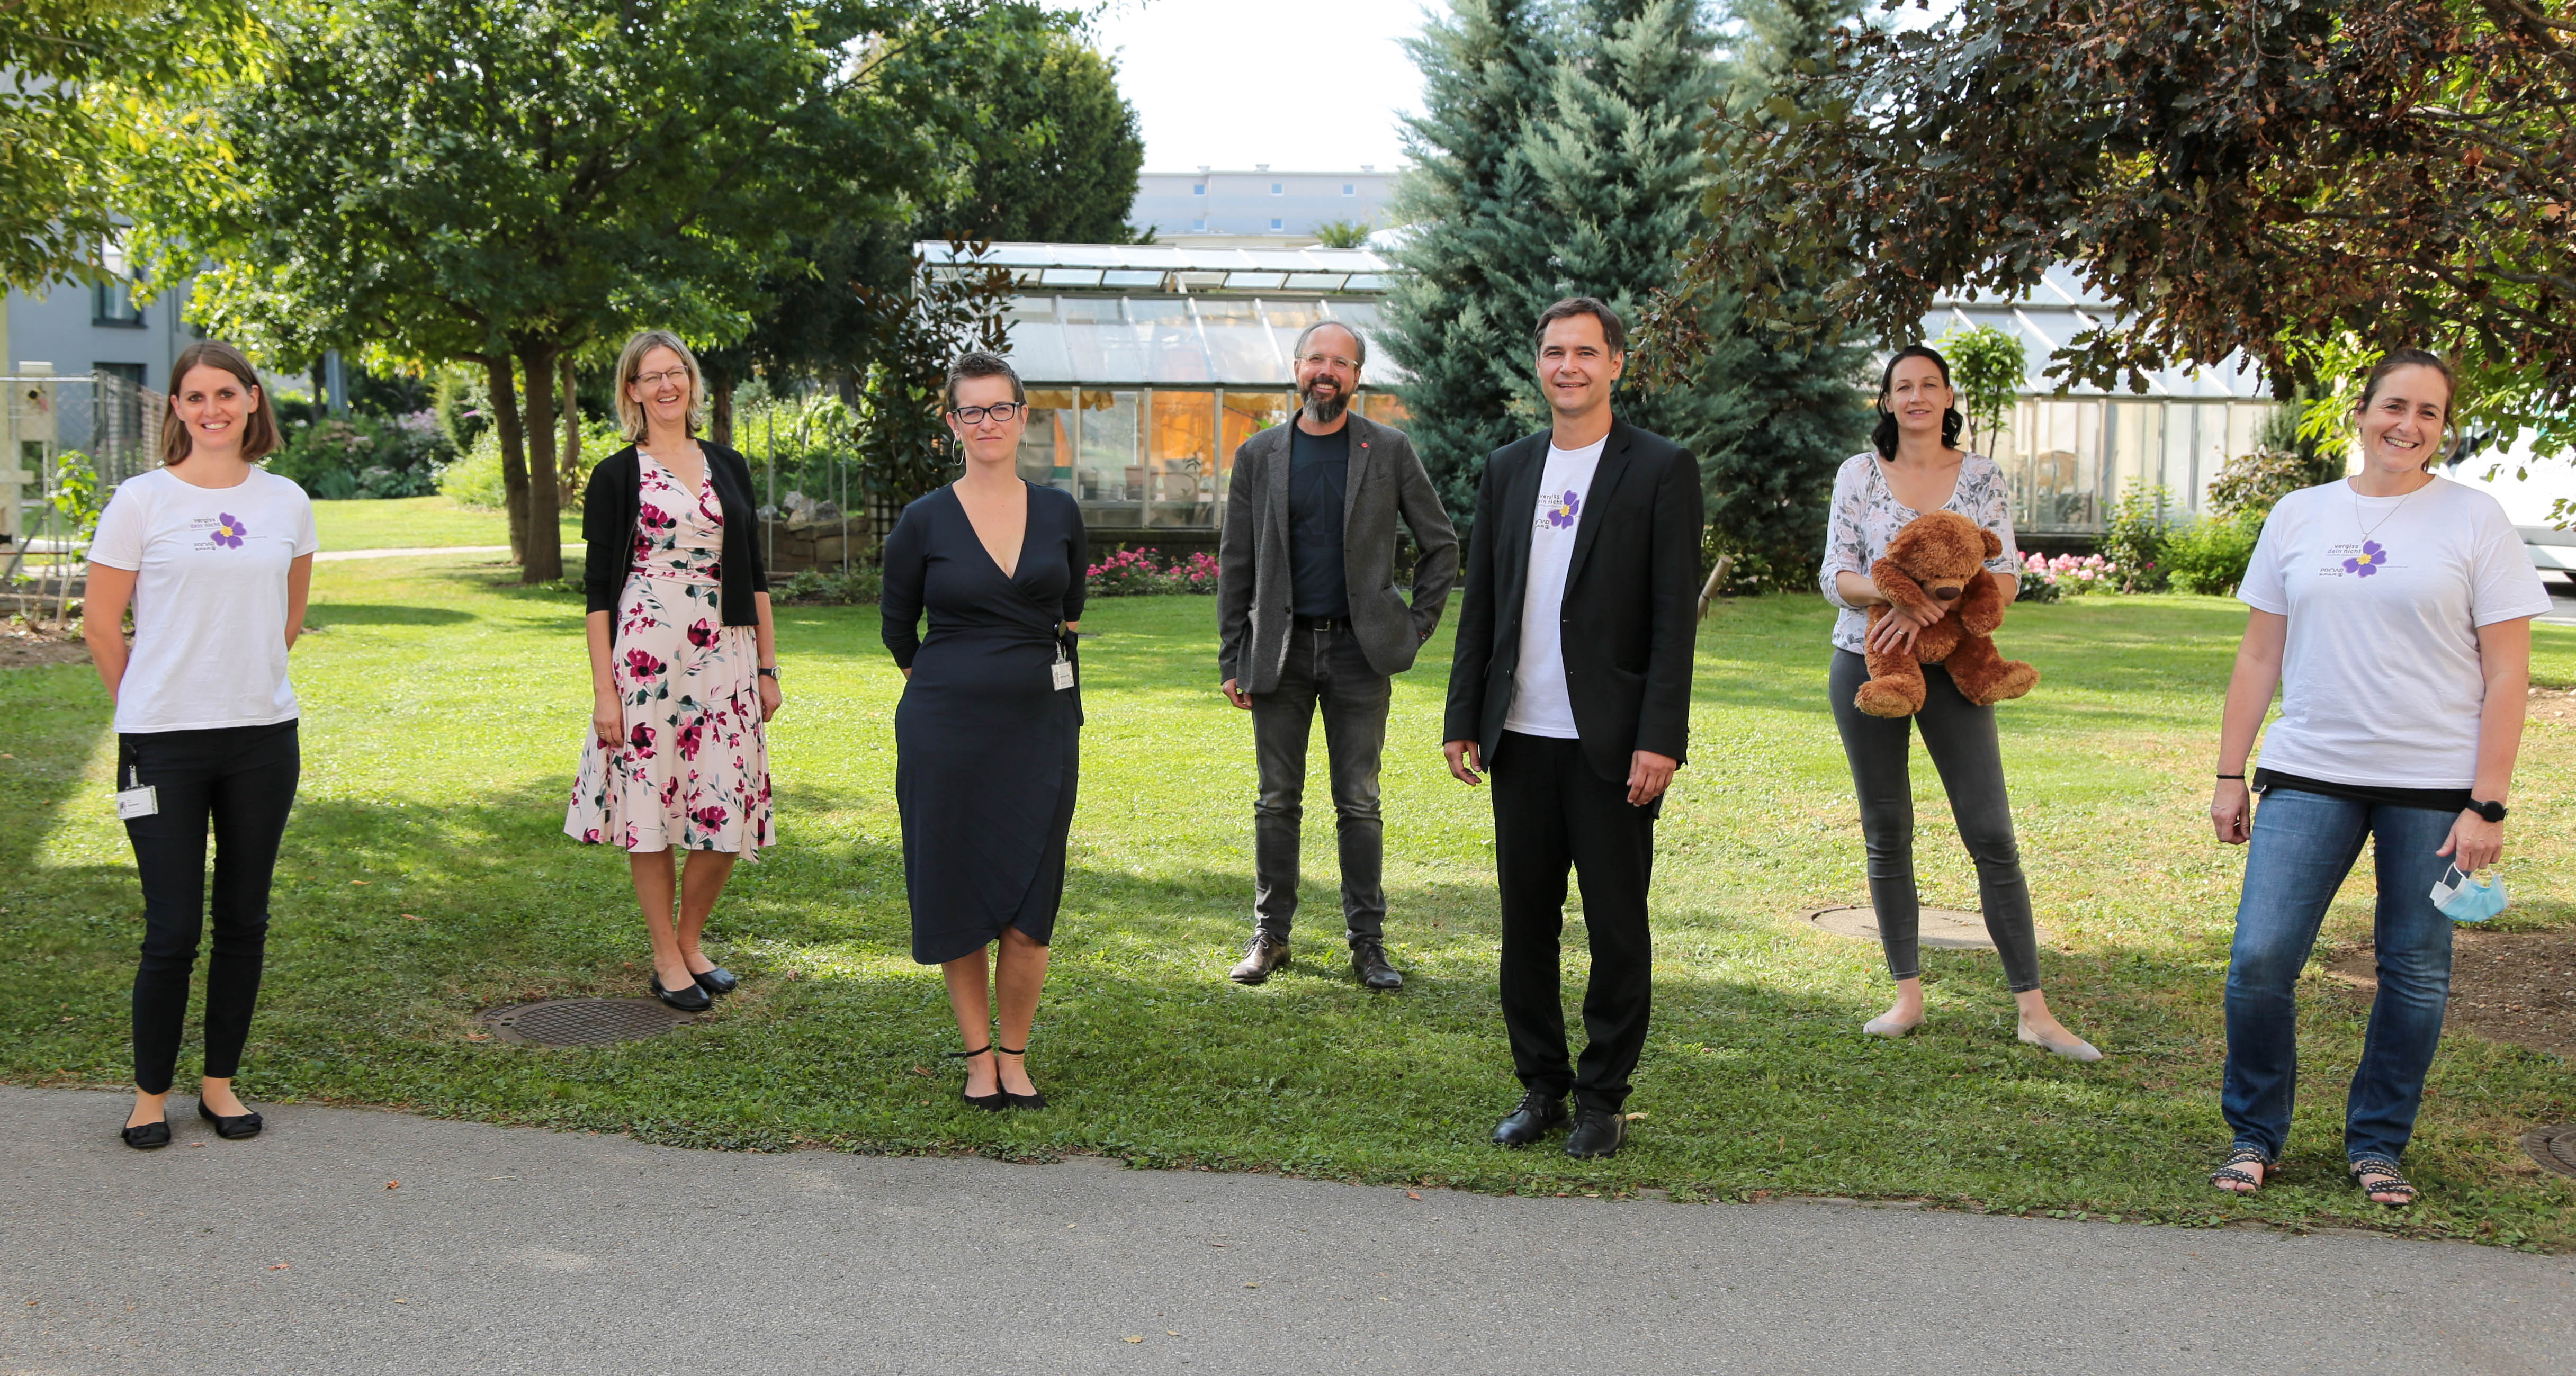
<point x="1252" y="591"/>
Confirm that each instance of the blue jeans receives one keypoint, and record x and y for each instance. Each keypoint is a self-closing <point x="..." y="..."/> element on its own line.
<point x="2303" y="846"/>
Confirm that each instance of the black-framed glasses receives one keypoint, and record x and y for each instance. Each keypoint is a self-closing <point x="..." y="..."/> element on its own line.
<point x="1000" y="411"/>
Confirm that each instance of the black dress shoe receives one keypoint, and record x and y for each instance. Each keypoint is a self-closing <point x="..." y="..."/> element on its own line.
<point x="688" y="998"/>
<point x="146" y="1136"/>
<point x="1018" y="1100"/>
<point x="1598" y="1133"/>
<point x="1538" y="1115"/>
<point x="1368" y="961"/>
<point x="233" y="1128"/>
<point x="719" y="980"/>
<point x="994" y="1102"/>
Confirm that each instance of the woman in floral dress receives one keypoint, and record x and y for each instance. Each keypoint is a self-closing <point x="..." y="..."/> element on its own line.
<point x="683" y="664"/>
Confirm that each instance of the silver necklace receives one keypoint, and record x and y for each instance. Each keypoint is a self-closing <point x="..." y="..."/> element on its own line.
<point x="2369" y="531"/>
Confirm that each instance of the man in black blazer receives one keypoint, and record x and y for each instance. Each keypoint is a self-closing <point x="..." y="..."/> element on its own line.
<point x="1571" y="686"/>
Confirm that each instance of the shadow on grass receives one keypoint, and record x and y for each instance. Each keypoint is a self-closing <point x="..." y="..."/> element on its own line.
<point x="325" y="614"/>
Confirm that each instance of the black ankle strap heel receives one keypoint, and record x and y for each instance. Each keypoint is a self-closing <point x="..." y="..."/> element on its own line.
<point x="1017" y="1100"/>
<point x="991" y="1103"/>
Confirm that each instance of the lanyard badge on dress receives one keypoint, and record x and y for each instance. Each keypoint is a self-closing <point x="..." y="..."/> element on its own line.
<point x="1063" y="666"/>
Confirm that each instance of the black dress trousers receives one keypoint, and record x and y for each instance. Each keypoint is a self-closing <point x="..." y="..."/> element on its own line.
<point x="1553" y="812"/>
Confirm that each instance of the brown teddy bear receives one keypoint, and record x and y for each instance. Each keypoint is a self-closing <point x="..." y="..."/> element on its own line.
<point x="1940" y="560"/>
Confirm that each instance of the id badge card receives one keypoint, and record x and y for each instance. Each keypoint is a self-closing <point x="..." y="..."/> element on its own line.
<point x="137" y="798"/>
<point x="1063" y="668"/>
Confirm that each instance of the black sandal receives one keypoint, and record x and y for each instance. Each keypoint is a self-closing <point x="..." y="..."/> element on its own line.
<point x="1016" y="1100"/>
<point x="2242" y="1156"/>
<point x="2390" y="1183"/>
<point x="991" y="1103"/>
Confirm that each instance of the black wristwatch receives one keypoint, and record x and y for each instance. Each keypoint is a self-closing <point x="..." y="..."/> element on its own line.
<point x="767" y="673"/>
<point x="2493" y="812"/>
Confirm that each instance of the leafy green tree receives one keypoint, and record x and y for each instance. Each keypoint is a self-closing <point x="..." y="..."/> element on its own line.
<point x="1473" y="279"/>
<point x="921" y="327"/>
<point x="1989" y="369"/>
<point x="2310" y="183"/>
<point x="1343" y="233"/>
<point x="93" y="104"/>
<point x="504" y="181"/>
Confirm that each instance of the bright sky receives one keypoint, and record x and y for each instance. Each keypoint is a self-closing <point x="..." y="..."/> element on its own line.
<point x="1293" y="83"/>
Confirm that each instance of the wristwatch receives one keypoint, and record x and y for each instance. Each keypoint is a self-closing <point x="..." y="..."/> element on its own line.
<point x="771" y="672"/>
<point x="2493" y="812"/>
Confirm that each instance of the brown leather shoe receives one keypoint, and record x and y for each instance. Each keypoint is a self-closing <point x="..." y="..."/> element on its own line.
<point x="1265" y="954"/>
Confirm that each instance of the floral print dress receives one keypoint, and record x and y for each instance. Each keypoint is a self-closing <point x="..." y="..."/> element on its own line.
<point x="694" y="769"/>
<point x="1866" y="516"/>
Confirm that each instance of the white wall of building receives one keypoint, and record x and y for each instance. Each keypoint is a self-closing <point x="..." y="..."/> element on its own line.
<point x="1259" y="202"/>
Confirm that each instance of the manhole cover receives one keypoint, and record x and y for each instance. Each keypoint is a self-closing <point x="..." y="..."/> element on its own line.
<point x="2554" y="1148"/>
<point x="584" y="1022"/>
<point x="1941" y="928"/>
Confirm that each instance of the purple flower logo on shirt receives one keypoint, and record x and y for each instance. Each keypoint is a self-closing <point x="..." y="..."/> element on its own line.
<point x="229" y="530"/>
<point x="1562" y="512"/>
<point x="2362" y="565"/>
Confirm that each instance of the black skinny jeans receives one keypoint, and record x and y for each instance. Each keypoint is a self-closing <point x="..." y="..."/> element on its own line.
<point x="241" y="779"/>
<point x="1961" y="739"/>
<point x="1330" y="670"/>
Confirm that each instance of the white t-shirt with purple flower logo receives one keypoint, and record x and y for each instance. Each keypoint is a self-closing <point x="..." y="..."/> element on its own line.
<point x="1539" y="704"/>
<point x="210" y="568"/>
<point x="2381" y="682"/>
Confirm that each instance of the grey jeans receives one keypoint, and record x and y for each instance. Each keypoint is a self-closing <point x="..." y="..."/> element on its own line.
<point x="1960" y="736"/>
<point x="1327" y="668"/>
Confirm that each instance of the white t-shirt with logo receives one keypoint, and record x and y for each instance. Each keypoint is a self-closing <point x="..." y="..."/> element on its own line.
<point x="2380" y="678"/>
<point x="210" y="568"/>
<point x="1539" y="704"/>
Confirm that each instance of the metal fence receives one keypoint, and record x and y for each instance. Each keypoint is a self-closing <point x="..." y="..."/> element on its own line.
<point x="58" y="425"/>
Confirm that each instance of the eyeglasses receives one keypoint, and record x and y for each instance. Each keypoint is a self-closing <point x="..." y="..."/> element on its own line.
<point x="1330" y="361"/>
<point x="1001" y="412"/>
<point x="678" y="375"/>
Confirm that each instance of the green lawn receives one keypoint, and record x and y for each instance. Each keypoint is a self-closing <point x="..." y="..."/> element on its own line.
<point x="443" y="714"/>
<point x="418" y="523"/>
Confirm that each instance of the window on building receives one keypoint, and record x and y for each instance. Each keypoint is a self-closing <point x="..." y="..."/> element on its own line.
<point x="1279" y="188"/>
<point x="1199" y="225"/>
<point x="1198" y="188"/>
<point x="112" y="303"/>
<point x="1277" y="223"/>
<point x="1350" y="189"/>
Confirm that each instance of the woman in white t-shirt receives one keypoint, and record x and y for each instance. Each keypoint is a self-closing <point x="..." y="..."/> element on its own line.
<point x="2393" y="610"/>
<point x="215" y="555"/>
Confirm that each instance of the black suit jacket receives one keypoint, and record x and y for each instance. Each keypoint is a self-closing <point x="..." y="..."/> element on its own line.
<point x="1630" y="616"/>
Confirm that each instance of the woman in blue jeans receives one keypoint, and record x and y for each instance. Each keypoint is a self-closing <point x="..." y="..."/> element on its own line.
<point x="2393" y="611"/>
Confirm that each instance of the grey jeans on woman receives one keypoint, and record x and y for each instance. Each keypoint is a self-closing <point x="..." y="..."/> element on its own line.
<point x="1961" y="738"/>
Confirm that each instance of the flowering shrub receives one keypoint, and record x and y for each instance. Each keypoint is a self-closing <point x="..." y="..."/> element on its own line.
<point x="1139" y="573"/>
<point x="365" y="456"/>
<point x="2047" y="580"/>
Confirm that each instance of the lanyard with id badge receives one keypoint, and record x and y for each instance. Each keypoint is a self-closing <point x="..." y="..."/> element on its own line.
<point x="137" y="798"/>
<point x="1063" y="666"/>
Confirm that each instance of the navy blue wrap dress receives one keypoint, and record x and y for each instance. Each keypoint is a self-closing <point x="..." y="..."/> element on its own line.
<point x="987" y="748"/>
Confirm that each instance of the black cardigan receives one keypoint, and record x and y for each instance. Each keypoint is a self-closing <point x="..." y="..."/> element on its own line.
<point x="608" y="514"/>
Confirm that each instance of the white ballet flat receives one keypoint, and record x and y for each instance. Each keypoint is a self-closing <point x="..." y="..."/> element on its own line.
<point x="2076" y="1050"/>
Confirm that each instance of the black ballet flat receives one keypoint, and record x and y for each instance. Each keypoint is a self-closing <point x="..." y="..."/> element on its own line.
<point x="688" y="998"/>
<point x="719" y="980"/>
<point x="146" y="1136"/>
<point x="990" y="1103"/>
<point x="1017" y="1100"/>
<point x="231" y="1129"/>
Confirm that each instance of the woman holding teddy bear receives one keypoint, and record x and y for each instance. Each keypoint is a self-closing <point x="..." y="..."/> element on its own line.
<point x="1917" y="468"/>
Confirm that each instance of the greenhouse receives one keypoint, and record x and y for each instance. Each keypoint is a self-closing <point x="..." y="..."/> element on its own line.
<point x="1148" y="364"/>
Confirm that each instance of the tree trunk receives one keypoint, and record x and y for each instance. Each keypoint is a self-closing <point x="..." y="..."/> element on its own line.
<point x="571" y="470"/>
<point x="514" y="454"/>
<point x="720" y="407"/>
<point x="544" y="563"/>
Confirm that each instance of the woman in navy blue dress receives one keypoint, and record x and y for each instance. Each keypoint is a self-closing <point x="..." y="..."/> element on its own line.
<point x="988" y="737"/>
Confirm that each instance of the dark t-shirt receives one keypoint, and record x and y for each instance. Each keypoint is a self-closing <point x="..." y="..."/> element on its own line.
<point x="1318" y="471"/>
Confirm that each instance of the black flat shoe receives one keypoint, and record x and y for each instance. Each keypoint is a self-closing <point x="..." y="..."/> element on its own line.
<point x="688" y="999"/>
<point x="719" y="980"/>
<point x="1538" y="1115"/>
<point x="146" y="1136"/>
<point x="232" y="1129"/>
<point x="1016" y="1100"/>
<point x="994" y="1102"/>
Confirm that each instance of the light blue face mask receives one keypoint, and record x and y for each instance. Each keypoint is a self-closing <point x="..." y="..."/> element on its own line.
<point x="2470" y="900"/>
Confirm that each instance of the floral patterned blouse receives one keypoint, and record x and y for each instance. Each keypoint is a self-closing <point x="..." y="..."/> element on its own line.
<point x="1866" y="517"/>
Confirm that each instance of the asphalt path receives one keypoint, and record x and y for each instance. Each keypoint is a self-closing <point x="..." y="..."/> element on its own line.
<point x="352" y="1241"/>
